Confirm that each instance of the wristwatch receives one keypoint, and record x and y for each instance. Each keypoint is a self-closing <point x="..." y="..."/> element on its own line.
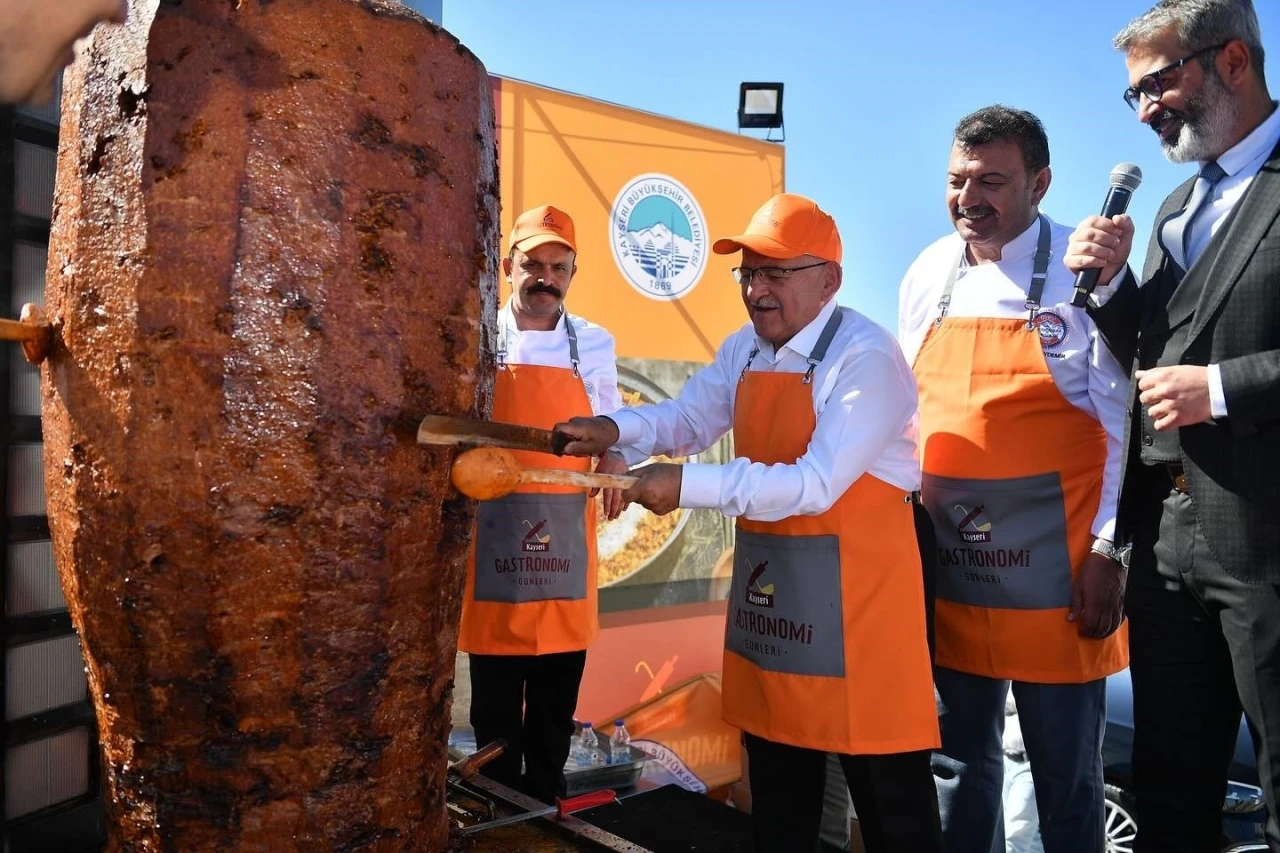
<point x="1109" y="549"/>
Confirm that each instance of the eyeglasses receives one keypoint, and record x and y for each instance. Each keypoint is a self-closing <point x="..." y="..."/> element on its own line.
<point x="1150" y="85"/>
<point x="770" y="275"/>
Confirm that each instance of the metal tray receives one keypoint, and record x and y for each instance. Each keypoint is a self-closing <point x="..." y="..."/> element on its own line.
<point x="580" y="780"/>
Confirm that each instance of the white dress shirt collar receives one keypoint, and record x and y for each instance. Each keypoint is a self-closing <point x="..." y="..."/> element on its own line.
<point x="1254" y="147"/>
<point x="804" y="340"/>
<point x="1022" y="246"/>
<point x="507" y="318"/>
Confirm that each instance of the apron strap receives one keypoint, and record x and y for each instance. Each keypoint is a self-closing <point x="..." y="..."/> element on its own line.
<point x="742" y="377"/>
<point x="824" y="343"/>
<point x="501" y="355"/>
<point x="573" y="345"/>
<point x="819" y="348"/>
<point x="1039" y="274"/>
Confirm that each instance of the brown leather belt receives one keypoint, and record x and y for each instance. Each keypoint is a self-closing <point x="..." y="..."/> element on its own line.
<point x="1179" y="478"/>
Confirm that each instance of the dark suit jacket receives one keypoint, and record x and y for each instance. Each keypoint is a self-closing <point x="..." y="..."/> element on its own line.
<point x="1231" y="299"/>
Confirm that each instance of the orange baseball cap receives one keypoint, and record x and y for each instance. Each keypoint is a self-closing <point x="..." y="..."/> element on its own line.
<point x="545" y="224"/>
<point x="787" y="226"/>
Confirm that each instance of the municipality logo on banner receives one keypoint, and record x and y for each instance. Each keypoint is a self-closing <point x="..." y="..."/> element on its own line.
<point x="659" y="236"/>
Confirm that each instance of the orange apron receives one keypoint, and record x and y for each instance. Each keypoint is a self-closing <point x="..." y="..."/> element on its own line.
<point x="531" y="569"/>
<point x="825" y="643"/>
<point x="1012" y="479"/>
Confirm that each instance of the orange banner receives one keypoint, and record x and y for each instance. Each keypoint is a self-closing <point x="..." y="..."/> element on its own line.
<point x="648" y="195"/>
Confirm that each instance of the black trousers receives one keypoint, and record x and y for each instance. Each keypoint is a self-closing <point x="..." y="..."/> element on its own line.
<point x="1203" y="646"/>
<point x="894" y="796"/>
<point x="528" y="700"/>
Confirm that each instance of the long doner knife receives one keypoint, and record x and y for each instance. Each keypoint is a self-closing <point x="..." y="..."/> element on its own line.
<point x="447" y="430"/>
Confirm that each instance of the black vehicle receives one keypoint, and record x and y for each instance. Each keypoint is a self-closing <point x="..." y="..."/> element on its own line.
<point x="1243" y="809"/>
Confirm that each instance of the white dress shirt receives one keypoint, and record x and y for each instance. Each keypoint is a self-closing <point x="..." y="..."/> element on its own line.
<point x="1082" y="367"/>
<point x="597" y="363"/>
<point x="864" y="397"/>
<point x="1242" y="164"/>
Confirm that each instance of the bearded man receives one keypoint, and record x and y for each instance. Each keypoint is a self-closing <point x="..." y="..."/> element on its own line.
<point x="1199" y="495"/>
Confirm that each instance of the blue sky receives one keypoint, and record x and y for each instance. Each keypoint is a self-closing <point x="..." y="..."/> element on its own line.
<point x="873" y="90"/>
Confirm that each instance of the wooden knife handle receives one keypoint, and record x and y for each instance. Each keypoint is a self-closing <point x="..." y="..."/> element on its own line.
<point x="469" y="766"/>
<point x="33" y="332"/>
<point x="581" y="479"/>
<point x="13" y="330"/>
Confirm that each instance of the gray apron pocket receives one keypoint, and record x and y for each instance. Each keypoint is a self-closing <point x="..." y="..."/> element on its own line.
<point x="1001" y="543"/>
<point x="531" y="547"/>
<point x="785" y="605"/>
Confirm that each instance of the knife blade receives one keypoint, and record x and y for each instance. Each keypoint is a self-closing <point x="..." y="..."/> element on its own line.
<point x="569" y="823"/>
<point x="447" y="430"/>
<point x="562" y="809"/>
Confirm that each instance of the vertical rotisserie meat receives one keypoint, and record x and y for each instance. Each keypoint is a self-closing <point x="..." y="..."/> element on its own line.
<point x="273" y="250"/>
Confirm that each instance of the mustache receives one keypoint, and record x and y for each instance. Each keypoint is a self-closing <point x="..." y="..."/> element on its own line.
<point x="543" y="287"/>
<point x="978" y="210"/>
<point x="1158" y="120"/>
<point x="764" y="304"/>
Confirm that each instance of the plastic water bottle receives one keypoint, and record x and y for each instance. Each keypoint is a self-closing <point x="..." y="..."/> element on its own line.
<point x="591" y="746"/>
<point x="577" y="755"/>
<point x="620" y="744"/>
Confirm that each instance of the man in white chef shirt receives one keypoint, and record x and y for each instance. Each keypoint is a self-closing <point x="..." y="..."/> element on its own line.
<point x="526" y="631"/>
<point x="1022" y="411"/>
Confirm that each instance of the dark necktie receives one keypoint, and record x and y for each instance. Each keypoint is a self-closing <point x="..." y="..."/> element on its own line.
<point x="1176" y="230"/>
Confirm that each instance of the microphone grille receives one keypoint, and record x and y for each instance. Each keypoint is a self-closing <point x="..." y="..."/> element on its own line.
<point x="1127" y="176"/>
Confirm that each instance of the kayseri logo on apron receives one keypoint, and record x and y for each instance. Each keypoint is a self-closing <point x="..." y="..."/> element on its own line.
<point x="787" y="610"/>
<point x="760" y="596"/>
<point x="533" y="541"/>
<point x="973" y="527"/>
<point x="517" y="556"/>
<point x="658" y="236"/>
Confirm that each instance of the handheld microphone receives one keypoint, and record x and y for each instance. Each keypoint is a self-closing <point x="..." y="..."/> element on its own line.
<point x="1125" y="178"/>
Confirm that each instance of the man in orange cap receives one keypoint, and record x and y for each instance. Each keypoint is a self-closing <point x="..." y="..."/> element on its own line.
<point x="529" y="611"/>
<point x="825" y="648"/>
